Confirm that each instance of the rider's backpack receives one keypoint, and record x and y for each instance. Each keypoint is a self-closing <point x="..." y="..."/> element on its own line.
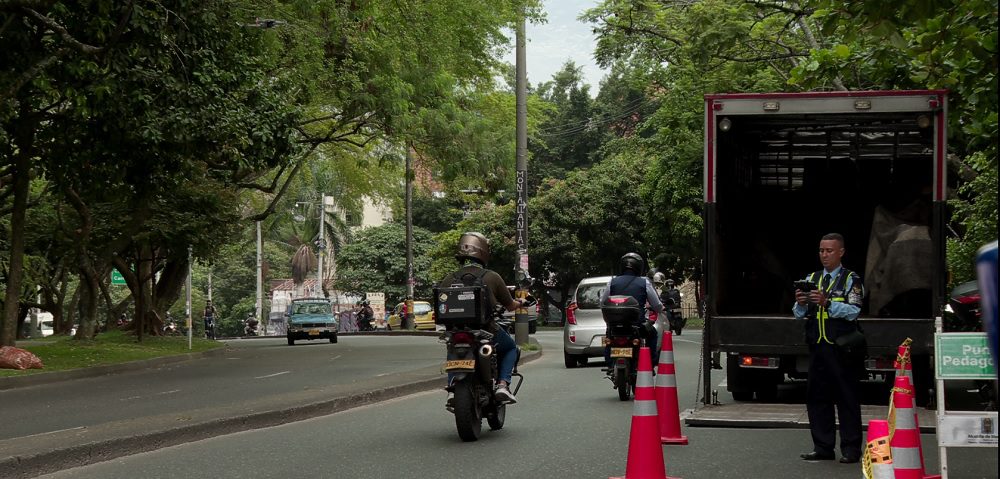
<point x="463" y="301"/>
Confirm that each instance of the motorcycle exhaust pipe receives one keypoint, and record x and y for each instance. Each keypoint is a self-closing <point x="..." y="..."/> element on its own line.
<point x="485" y="351"/>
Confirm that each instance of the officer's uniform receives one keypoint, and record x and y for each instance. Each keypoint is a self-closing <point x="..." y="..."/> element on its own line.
<point x="834" y="378"/>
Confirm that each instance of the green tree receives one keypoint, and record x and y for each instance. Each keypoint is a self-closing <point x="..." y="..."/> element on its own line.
<point x="376" y="261"/>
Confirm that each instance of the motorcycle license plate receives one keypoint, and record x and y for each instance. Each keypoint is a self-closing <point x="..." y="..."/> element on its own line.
<point x="459" y="364"/>
<point x="314" y="332"/>
<point x="621" y="352"/>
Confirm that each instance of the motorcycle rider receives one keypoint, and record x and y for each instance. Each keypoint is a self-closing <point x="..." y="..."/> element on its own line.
<point x="473" y="255"/>
<point x="671" y="299"/>
<point x="250" y="324"/>
<point x="633" y="282"/>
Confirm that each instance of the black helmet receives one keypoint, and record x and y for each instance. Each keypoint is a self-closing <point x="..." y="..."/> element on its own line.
<point x="474" y="246"/>
<point x="670" y="283"/>
<point x="633" y="262"/>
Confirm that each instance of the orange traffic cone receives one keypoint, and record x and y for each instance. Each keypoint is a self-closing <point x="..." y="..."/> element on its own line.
<point x="903" y="364"/>
<point x="904" y="433"/>
<point x="877" y="460"/>
<point x="666" y="394"/>
<point x="645" y="455"/>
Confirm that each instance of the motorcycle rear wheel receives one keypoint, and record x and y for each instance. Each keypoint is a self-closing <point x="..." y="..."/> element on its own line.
<point x="622" y="384"/>
<point x="467" y="419"/>
<point x="496" y="418"/>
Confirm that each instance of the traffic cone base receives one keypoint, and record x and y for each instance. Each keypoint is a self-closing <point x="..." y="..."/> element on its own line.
<point x="666" y="394"/>
<point x="645" y="456"/>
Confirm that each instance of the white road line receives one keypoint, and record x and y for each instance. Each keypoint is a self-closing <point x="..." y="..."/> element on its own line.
<point x="164" y="393"/>
<point x="272" y="375"/>
<point x="151" y="395"/>
<point x="336" y="357"/>
<point x="55" y="432"/>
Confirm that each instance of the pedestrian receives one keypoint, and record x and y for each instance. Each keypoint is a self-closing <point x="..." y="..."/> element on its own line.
<point x="209" y="320"/>
<point x="829" y="301"/>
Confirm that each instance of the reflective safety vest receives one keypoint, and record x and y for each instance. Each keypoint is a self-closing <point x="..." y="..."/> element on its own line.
<point x="819" y="326"/>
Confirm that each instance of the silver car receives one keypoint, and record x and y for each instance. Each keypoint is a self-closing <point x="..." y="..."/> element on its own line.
<point x="583" y="333"/>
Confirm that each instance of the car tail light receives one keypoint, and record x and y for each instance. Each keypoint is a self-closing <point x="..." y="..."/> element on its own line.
<point x="571" y="313"/>
<point x="461" y="338"/>
<point x="971" y="299"/>
<point x="572" y="338"/>
<point x="759" y="362"/>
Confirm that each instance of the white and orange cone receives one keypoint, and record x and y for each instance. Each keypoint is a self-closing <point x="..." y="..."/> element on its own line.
<point x="876" y="462"/>
<point x="666" y="394"/>
<point x="904" y="433"/>
<point x="645" y="455"/>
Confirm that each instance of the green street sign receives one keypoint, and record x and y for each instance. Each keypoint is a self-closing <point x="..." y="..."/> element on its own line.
<point x="116" y="277"/>
<point x="963" y="356"/>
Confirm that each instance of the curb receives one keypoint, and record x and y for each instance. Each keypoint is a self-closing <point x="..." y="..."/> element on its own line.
<point x="57" y="459"/>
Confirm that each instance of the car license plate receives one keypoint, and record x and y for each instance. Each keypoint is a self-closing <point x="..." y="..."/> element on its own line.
<point x="459" y="364"/>
<point x="314" y="332"/>
<point x="621" y="352"/>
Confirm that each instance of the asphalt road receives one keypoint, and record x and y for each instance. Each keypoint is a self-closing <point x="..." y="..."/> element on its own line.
<point x="253" y="374"/>
<point x="568" y="424"/>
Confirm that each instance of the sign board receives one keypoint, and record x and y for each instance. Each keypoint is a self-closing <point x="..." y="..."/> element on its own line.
<point x="116" y="277"/>
<point x="377" y="301"/>
<point x="967" y="429"/>
<point x="963" y="356"/>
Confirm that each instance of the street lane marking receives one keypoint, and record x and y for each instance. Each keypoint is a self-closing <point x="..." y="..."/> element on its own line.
<point x="55" y="432"/>
<point x="272" y="375"/>
<point x="151" y="395"/>
<point x="336" y="357"/>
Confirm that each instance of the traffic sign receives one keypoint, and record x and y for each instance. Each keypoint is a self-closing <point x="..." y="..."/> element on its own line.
<point x="116" y="277"/>
<point x="963" y="356"/>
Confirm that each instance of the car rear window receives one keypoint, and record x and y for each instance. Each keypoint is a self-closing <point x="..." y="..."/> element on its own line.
<point x="421" y="308"/>
<point x="588" y="296"/>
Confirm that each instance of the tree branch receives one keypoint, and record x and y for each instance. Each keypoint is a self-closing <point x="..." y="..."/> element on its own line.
<point x="55" y="26"/>
<point x="34" y="70"/>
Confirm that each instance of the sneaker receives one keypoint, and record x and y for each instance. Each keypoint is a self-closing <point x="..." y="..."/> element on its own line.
<point x="449" y="404"/>
<point x="504" y="396"/>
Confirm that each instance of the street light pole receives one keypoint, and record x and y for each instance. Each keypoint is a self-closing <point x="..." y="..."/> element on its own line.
<point x="408" y="319"/>
<point x="321" y="247"/>
<point x="260" y="280"/>
<point x="521" y="315"/>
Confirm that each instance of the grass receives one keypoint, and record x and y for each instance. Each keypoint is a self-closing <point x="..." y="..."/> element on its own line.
<point x="64" y="353"/>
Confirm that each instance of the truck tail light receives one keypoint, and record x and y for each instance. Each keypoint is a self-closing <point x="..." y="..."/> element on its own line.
<point x="760" y="362"/>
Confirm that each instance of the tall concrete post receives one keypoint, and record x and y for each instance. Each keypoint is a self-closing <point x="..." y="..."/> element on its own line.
<point x="410" y="281"/>
<point x="321" y="247"/>
<point x="521" y="315"/>
<point x="260" y="279"/>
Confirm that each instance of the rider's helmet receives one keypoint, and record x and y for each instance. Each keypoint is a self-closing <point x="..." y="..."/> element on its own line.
<point x="634" y="262"/>
<point x="670" y="283"/>
<point x="659" y="278"/>
<point x="474" y="246"/>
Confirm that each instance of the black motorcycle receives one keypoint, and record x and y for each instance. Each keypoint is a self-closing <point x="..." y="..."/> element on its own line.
<point x="626" y="333"/>
<point x="250" y="326"/>
<point x="474" y="364"/>
<point x="672" y="308"/>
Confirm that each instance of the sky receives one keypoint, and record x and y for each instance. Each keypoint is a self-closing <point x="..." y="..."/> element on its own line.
<point x="561" y="38"/>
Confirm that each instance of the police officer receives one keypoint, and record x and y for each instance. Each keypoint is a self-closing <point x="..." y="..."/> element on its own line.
<point x="830" y="310"/>
<point x="632" y="282"/>
<point x="473" y="255"/>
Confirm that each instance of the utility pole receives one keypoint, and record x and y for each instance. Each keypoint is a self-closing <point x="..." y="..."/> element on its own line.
<point x="321" y="247"/>
<point x="521" y="315"/>
<point x="408" y="319"/>
<point x="260" y="280"/>
<point x="187" y="307"/>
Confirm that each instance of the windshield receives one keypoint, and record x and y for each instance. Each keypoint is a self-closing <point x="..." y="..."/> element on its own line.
<point x="310" y="308"/>
<point x="419" y="308"/>
<point x="588" y="296"/>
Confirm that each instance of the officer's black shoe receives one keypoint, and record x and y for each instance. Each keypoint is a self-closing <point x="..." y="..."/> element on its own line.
<point x="849" y="459"/>
<point x="817" y="456"/>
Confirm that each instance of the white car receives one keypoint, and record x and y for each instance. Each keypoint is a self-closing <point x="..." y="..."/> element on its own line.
<point x="583" y="333"/>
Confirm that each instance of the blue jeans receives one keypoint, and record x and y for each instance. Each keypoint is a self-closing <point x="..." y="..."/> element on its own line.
<point x="506" y="351"/>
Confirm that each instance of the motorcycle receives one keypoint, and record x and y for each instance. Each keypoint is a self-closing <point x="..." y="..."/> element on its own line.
<point x="250" y="326"/>
<point x="472" y="362"/>
<point x="626" y="334"/>
<point x="963" y="313"/>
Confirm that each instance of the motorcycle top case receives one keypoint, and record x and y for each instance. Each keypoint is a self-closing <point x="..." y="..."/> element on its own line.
<point x="621" y="312"/>
<point x="460" y="306"/>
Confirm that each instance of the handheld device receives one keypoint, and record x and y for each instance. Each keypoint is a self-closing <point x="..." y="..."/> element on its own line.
<point x="805" y="286"/>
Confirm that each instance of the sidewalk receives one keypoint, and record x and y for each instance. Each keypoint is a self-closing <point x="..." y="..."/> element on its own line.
<point x="31" y="456"/>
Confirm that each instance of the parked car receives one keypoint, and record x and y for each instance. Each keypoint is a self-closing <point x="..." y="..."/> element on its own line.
<point x="583" y="333"/>
<point x="423" y="316"/>
<point x="310" y="318"/>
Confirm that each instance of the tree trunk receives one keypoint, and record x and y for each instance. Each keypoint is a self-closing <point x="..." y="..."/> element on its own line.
<point x="15" y="271"/>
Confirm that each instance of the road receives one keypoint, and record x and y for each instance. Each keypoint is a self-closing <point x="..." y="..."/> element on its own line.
<point x="568" y="424"/>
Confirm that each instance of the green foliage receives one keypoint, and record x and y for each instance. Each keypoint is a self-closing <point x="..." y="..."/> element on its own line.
<point x="376" y="261"/>
<point x="981" y="213"/>
<point x="496" y="222"/>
